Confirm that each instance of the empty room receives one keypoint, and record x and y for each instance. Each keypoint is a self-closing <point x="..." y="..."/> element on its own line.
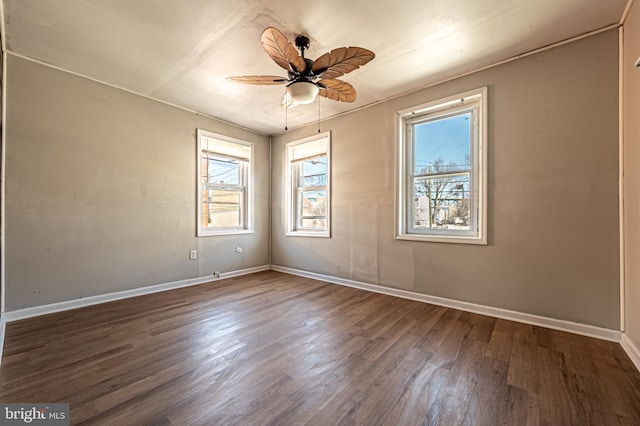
<point x="288" y="213"/>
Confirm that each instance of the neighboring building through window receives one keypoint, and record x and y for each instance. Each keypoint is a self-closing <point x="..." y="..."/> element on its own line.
<point x="224" y="185"/>
<point x="308" y="186"/>
<point x="442" y="170"/>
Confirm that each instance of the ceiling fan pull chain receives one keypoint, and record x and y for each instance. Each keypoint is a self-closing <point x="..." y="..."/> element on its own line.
<point x="286" y="113"/>
<point x="318" y="114"/>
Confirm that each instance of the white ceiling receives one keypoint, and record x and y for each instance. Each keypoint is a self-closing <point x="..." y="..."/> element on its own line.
<point x="182" y="51"/>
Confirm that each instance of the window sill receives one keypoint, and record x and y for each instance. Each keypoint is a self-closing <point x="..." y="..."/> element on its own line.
<point x="443" y="239"/>
<point x="207" y="233"/>
<point x="322" y="234"/>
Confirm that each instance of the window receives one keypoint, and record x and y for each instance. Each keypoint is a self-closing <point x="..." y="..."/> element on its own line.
<point x="442" y="170"/>
<point x="308" y="186"/>
<point x="224" y="185"/>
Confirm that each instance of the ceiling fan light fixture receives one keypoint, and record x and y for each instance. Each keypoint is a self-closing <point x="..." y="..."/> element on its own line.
<point x="303" y="92"/>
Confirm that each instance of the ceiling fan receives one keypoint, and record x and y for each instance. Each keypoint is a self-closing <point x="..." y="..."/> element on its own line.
<point x="307" y="78"/>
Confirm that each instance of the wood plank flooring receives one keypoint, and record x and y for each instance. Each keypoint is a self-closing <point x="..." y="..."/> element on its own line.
<point x="271" y="348"/>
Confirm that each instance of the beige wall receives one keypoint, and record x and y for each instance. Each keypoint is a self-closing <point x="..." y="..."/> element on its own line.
<point x="631" y="195"/>
<point x="100" y="191"/>
<point x="553" y="193"/>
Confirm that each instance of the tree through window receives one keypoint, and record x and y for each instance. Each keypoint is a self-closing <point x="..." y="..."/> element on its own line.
<point x="442" y="170"/>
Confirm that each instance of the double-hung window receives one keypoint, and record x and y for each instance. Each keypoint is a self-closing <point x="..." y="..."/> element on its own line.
<point x="224" y="184"/>
<point x="442" y="170"/>
<point x="308" y="186"/>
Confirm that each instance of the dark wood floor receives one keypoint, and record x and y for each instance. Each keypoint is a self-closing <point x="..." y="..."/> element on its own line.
<point x="270" y="348"/>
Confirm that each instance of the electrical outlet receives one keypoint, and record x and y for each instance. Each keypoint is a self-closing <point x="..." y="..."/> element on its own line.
<point x="193" y="254"/>
<point x="239" y="249"/>
<point x="216" y="274"/>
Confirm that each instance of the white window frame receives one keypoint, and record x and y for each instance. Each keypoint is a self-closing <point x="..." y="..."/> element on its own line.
<point x="405" y="209"/>
<point x="292" y="191"/>
<point x="245" y="186"/>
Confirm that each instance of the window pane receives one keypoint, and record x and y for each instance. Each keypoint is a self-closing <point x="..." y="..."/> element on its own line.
<point x="442" y="175"/>
<point x="308" y="199"/>
<point x="442" y="202"/>
<point x="220" y="170"/>
<point x="225" y="195"/>
<point x="314" y="203"/>
<point x="314" y="172"/>
<point x="221" y="208"/>
<point x="443" y="145"/>
<point x="314" y="223"/>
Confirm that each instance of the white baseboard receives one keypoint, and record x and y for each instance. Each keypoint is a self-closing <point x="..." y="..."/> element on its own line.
<point x="103" y="298"/>
<point x="562" y="325"/>
<point x="3" y="325"/>
<point x="631" y="349"/>
<point x="556" y="324"/>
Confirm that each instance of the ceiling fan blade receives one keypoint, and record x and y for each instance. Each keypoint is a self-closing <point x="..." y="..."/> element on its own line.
<point x="258" y="79"/>
<point x="281" y="51"/>
<point x="337" y="90"/>
<point x="341" y="61"/>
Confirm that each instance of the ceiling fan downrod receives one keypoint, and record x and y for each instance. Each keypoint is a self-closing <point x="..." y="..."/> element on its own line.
<point x="302" y="43"/>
